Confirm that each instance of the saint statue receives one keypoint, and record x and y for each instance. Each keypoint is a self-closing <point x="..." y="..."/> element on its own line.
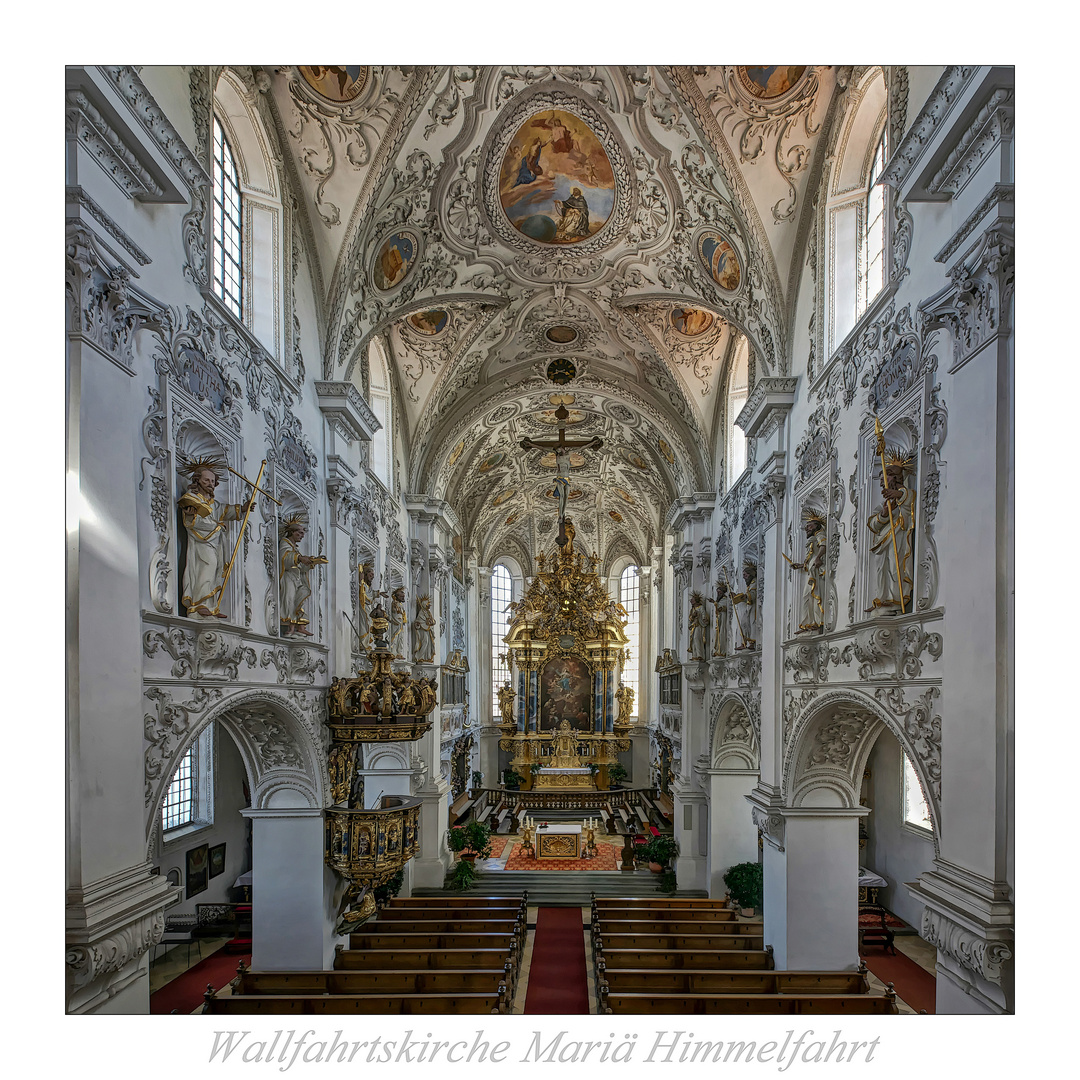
<point x="811" y="604"/>
<point x="564" y="753"/>
<point x="204" y="522"/>
<point x="423" y="631"/>
<point x="720" y="630"/>
<point x="749" y="626"/>
<point x="506" y="704"/>
<point x="398" y="621"/>
<point x="893" y="529"/>
<point x="698" y="627"/>
<point x="339" y="768"/>
<point x="625" y="697"/>
<point x="364" y="597"/>
<point x="293" y="579"/>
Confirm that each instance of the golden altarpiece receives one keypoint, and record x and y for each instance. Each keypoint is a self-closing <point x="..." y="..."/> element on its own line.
<point x="566" y="646"/>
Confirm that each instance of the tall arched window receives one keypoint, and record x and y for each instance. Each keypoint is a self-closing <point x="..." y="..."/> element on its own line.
<point x="873" y="245"/>
<point x="501" y="595"/>
<point x="630" y="598"/>
<point x="189" y="796"/>
<point x="228" y="219"/>
<point x="382" y="444"/>
<point x="737" y="391"/>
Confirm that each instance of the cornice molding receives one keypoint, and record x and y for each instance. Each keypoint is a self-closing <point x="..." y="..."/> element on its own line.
<point x="343" y="404"/>
<point x="771" y="398"/>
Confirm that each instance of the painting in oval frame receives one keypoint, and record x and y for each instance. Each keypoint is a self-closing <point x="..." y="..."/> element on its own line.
<point x="768" y="81"/>
<point x="429" y="323"/>
<point x="396" y="257"/>
<point x="720" y="259"/>
<point x="556" y="182"/>
<point x="691" y="322"/>
<point x="337" y="83"/>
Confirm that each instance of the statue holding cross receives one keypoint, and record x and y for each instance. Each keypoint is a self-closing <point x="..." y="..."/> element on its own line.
<point x="561" y="447"/>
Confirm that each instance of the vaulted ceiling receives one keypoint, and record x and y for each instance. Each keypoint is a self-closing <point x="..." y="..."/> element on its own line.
<point x="440" y="216"/>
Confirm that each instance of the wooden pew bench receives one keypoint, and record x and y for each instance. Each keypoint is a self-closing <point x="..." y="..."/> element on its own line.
<point x="683" y="942"/>
<point x="749" y="1004"/>
<point x="690" y="981"/>
<point x="675" y="926"/>
<point x="324" y="1004"/>
<point x="695" y="959"/>
<point x="658" y="904"/>
<point x="453" y="958"/>
<point x="487" y="902"/>
<point x="375" y="981"/>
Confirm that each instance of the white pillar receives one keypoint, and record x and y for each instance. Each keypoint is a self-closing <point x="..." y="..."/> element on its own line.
<point x="432" y="858"/>
<point x="732" y="833"/>
<point x="811" y="911"/>
<point x="293" y="891"/>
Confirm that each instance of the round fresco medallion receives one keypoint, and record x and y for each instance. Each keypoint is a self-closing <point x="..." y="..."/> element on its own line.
<point x="552" y="493"/>
<point x="720" y="260"/>
<point x="615" y="516"/>
<point x="556" y="184"/>
<point x="491" y="461"/>
<point x="395" y="259"/>
<point x="561" y="335"/>
<point x="338" y="83"/>
<point x="503" y="496"/>
<point x="769" y="81"/>
<point x="669" y="454"/>
<point x="429" y="322"/>
<point x="561" y="371"/>
<point x="632" y="457"/>
<point x="548" y="417"/>
<point x="577" y="459"/>
<point x="624" y="495"/>
<point x="691" y="322"/>
<point x="456" y="453"/>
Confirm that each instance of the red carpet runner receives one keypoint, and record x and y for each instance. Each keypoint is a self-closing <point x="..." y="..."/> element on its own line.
<point x="557" y="980"/>
<point x="914" y="984"/>
<point x="184" y="994"/>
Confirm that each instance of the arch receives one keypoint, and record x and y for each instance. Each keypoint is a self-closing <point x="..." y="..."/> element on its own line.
<point x="386" y="757"/>
<point x="282" y="759"/>
<point x="828" y="746"/>
<point x="734" y="741"/>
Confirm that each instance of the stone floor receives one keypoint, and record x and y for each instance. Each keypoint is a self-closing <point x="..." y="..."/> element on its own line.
<point x="177" y="959"/>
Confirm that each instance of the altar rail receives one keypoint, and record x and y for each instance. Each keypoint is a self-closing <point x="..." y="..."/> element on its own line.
<point x="566" y="800"/>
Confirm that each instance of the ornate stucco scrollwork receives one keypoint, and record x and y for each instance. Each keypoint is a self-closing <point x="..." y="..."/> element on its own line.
<point x="985" y="958"/>
<point x="772" y="826"/>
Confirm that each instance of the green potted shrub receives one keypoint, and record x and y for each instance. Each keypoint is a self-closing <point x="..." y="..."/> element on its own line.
<point x="617" y="774"/>
<point x="477" y="780"/>
<point x="512" y="779"/>
<point x="660" y="850"/>
<point x="668" y="883"/>
<point x="463" y="876"/>
<point x="471" y="841"/>
<point x="745" y="886"/>
<point x="389" y="889"/>
<point x="593" y="768"/>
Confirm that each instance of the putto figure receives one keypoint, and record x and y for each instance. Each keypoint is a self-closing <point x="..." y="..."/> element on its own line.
<point x="204" y="522"/>
<point x="294" y="584"/>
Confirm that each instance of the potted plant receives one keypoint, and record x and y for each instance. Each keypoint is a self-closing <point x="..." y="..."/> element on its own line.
<point x="471" y="841"/>
<point x="660" y="850"/>
<point x="668" y="883"/>
<point x="593" y="768"/>
<point x="463" y="876"/>
<point x="512" y="779"/>
<point x="389" y="889"/>
<point x="745" y="886"/>
<point x="617" y="774"/>
<point x="477" y="780"/>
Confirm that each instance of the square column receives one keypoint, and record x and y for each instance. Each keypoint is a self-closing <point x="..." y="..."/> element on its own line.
<point x="294" y="893"/>
<point x="811" y="895"/>
<point x="732" y="832"/>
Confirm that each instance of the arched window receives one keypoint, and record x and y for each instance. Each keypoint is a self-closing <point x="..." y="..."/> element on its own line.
<point x="379" y="395"/>
<point x="872" y="255"/>
<point x="630" y="598"/>
<point x="228" y="224"/>
<point x="737" y="391"/>
<point x="188" y="798"/>
<point x="501" y="595"/>
<point x="915" y="811"/>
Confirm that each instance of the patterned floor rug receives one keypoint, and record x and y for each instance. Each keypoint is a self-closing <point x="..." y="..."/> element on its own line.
<point x="605" y="860"/>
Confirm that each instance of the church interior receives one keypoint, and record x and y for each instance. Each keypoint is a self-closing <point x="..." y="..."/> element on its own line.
<point x="540" y="540"/>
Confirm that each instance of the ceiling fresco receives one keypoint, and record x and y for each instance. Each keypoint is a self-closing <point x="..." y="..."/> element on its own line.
<point x="525" y="237"/>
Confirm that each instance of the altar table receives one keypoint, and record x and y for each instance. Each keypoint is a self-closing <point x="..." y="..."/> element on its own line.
<point x="558" y="842"/>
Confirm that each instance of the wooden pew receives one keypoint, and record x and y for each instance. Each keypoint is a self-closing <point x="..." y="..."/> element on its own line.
<point x="683" y="942"/>
<point x="675" y="926"/>
<point x="659" y="904"/>
<point x="608" y="820"/>
<point x="324" y="1004"/>
<point x="707" y="916"/>
<point x="689" y="981"/>
<point x="452" y="958"/>
<point x="694" y="959"/>
<point x="466" y="913"/>
<point x="485" y="902"/>
<point x="374" y="981"/>
<point x="748" y="1004"/>
<point x="362" y="939"/>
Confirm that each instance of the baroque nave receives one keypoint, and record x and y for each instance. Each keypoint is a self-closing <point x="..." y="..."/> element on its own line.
<point x="486" y="481"/>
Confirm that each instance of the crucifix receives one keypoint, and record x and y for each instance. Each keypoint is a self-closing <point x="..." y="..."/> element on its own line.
<point x="561" y="447"/>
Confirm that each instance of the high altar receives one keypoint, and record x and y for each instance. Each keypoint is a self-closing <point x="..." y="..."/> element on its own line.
<point x="566" y="647"/>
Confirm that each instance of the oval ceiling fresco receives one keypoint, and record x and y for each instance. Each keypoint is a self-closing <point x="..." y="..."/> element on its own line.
<point x="561" y="335"/>
<point x="768" y="81"/>
<point x="429" y="322"/>
<point x="690" y="322"/>
<point x="395" y="259"/>
<point x="335" y="82"/>
<point x="719" y="258"/>
<point x="556" y="183"/>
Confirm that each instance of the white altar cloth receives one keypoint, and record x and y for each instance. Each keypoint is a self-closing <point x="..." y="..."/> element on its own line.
<point x="868" y="877"/>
